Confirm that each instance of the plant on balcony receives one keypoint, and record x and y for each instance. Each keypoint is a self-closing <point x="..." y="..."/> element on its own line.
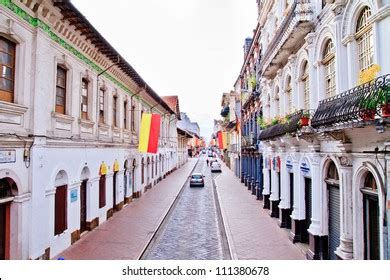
<point x="305" y="118"/>
<point x="262" y="122"/>
<point x="252" y="82"/>
<point x="384" y="100"/>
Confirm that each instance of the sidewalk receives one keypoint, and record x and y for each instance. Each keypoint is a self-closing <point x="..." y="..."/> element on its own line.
<point x="251" y="232"/>
<point x="126" y="234"/>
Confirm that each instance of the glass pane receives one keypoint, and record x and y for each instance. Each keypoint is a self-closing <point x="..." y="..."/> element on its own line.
<point x="60" y="101"/>
<point x="6" y="84"/>
<point x="84" y="84"/>
<point x="60" y="92"/>
<point x="6" y="59"/>
<point x="6" y="72"/>
<point x="6" y="45"/>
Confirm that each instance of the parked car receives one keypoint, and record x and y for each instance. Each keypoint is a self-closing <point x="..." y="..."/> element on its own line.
<point x="216" y="166"/>
<point x="197" y="179"/>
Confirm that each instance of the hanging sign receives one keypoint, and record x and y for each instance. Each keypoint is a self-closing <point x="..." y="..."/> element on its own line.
<point x="305" y="168"/>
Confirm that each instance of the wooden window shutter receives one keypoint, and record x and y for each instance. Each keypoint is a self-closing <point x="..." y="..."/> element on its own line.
<point x="60" y="219"/>
<point x="102" y="191"/>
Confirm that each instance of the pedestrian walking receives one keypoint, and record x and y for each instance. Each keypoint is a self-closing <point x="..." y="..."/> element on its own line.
<point x="207" y="161"/>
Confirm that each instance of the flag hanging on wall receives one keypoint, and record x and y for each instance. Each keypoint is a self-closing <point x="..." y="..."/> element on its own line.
<point x="222" y="138"/>
<point x="149" y="133"/>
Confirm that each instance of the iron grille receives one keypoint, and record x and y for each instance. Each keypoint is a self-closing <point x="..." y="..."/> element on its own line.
<point x="351" y="106"/>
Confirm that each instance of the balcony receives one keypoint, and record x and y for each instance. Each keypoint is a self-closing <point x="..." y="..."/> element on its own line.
<point x="289" y="38"/>
<point x="233" y="148"/>
<point x="291" y="126"/>
<point x="249" y="141"/>
<point x="355" y="107"/>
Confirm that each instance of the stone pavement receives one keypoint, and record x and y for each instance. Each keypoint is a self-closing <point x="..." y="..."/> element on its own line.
<point x="251" y="232"/>
<point x="126" y="235"/>
<point x="193" y="228"/>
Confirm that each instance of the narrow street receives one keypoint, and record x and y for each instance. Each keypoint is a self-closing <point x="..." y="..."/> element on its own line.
<point x="193" y="229"/>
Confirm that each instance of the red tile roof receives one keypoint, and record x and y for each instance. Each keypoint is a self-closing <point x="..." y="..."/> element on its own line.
<point x="173" y="103"/>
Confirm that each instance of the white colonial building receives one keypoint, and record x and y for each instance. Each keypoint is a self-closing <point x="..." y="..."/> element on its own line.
<point x="326" y="180"/>
<point x="70" y="108"/>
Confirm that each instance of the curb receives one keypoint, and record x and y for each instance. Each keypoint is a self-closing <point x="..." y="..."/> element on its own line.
<point x="232" y="248"/>
<point x="165" y="214"/>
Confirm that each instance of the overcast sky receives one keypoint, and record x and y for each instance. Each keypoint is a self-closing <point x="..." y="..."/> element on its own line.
<point x="189" y="48"/>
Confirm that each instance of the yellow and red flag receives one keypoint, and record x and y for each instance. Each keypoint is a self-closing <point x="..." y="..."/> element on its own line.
<point x="222" y="140"/>
<point x="149" y="133"/>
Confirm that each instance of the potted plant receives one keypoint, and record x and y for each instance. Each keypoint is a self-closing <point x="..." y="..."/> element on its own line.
<point x="252" y="82"/>
<point x="275" y="120"/>
<point x="369" y="106"/>
<point x="384" y="100"/>
<point x="305" y="118"/>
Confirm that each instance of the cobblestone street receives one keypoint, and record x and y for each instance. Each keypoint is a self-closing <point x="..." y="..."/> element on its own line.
<point x="193" y="228"/>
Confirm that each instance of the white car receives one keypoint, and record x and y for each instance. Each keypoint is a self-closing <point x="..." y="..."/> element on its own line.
<point x="216" y="166"/>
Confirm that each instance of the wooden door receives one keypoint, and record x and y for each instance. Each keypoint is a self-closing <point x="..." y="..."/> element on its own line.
<point x="114" y="191"/>
<point x="83" y="206"/>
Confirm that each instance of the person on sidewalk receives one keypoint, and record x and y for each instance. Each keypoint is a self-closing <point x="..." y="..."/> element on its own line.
<point x="207" y="161"/>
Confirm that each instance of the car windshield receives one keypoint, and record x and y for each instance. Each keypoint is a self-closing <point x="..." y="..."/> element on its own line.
<point x="215" y="163"/>
<point x="197" y="176"/>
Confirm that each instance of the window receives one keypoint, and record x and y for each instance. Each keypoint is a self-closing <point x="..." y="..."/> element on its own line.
<point x="101" y="105"/>
<point x="125" y="125"/>
<point x="306" y="87"/>
<point x="364" y="39"/>
<point x="102" y="191"/>
<point x="114" y="103"/>
<point x="84" y="99"/>
<point x="7" y="64"/>
<point x="330" y="71"/>
<point x="61" y="90"/>
<point x="289" y="96"/>
<point x="60" y="209"/>
<point x="133" y="117"/>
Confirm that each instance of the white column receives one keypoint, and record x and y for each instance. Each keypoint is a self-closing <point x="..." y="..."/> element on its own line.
<point x="285" y="190"/>
<point x="266" y="189"/>
<point x="345" y="250"/>
<point x="298" y="211"/>
<point x="316" y="186"/>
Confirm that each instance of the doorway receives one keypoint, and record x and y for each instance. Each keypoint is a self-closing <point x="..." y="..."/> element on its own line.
<point x="308" y="209"/>
<point x="114" y="191"/>
<point x="83" y="206"/>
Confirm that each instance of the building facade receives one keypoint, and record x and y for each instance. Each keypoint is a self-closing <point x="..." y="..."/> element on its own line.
<point x="70" y="109"/>
<point x="327" y="178"/>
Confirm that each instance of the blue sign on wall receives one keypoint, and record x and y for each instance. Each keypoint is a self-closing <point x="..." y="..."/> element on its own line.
<point x="289" y="165"/>
<point x="305" y="168"/>
<point x="73" y="195"/>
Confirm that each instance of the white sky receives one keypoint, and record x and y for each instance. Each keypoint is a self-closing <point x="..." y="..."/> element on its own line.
<point x="189" y="48"/>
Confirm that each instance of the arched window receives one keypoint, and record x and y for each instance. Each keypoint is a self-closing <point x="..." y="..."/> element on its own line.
<point x="332" y="173"/>
<point x="364" y="39"/>
<point x="289" y="95"/>
<point x="7" y="66"/>
<point x="306" y="88"/>
<point x="276" y="98"/>
<point x="370" y="183"/>
<point x="371" y="213"/>
<point x="328" y="60"/>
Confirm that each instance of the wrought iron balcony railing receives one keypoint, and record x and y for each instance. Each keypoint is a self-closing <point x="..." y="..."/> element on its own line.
<point x="292" y="125"/>
<point x="358" y="104"/>
<point x="249" y="141"/>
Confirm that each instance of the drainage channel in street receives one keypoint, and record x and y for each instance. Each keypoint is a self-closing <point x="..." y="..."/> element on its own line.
<point x="193" y="228"/>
